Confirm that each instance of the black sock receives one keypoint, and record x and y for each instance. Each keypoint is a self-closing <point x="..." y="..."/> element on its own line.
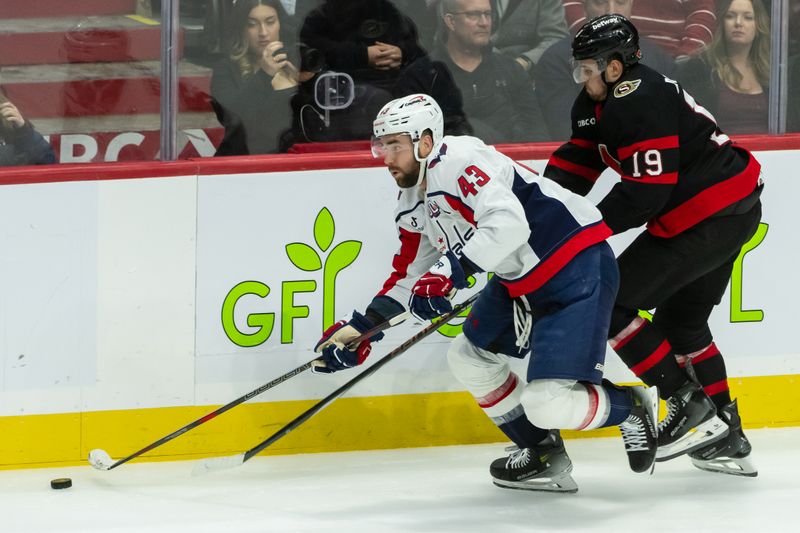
<point x="649" y="355"/>
<point x="709" y="368"/>
<point x="522" y="432"/>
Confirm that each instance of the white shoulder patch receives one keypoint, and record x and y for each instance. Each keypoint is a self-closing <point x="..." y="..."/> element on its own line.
<point x="626" y="87"/>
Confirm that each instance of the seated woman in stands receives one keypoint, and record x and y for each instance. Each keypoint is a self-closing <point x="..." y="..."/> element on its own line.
<point x="251" y="89"/>
<point x="20" y="144"/>
<point x="731" y="77"/>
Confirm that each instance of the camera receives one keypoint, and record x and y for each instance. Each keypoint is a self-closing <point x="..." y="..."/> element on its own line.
<point x="311" y="59"/>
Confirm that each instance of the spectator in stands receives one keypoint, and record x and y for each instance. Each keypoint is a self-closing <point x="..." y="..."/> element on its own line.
<point x="524" y="29"/>
<point x="497" y="95"/>
<point x="369" y="40"/>
<point x="251" y="89"/>
<point x="20" y="144"/>
<point x="554" y="84"/>
<point x="423" y="13"/>
<point x="301" y="9"/>
<point x="681" y="27"/>
<point x="731" y="78"/>
<point x="793" y="110"/>
<point x="794" y="27"/>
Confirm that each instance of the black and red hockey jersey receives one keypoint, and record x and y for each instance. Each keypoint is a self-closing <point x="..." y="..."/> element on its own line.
<point x="676" y="167"/>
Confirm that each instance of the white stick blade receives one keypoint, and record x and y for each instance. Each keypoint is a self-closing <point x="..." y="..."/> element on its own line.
<point x="214" y="464"/>
<point x="100" y="459"/>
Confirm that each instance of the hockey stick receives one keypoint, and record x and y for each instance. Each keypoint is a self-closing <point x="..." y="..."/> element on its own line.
<point x="230" y="461"/>
<point x="101" y="460"/>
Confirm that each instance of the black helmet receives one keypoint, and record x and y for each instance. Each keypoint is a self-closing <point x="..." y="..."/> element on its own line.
<point x="606" y="36"/>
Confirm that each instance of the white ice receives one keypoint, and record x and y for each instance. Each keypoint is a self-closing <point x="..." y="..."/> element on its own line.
<point x="445" y="489"/>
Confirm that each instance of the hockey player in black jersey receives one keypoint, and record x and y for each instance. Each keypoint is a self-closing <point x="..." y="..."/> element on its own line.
<point x="698" y="195"/>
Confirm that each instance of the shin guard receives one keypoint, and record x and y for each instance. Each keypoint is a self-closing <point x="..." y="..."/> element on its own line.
<point x="497" y="390"/>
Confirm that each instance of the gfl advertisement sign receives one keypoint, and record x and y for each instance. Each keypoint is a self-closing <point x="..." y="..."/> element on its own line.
<point x="283" y="256"/>
<point x="308" y="259"/>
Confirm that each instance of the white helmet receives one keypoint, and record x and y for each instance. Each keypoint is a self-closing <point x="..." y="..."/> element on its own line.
<point x="411" y="115"/>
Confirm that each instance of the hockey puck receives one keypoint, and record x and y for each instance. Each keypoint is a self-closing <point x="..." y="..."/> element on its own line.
<point x="61" y="483"/>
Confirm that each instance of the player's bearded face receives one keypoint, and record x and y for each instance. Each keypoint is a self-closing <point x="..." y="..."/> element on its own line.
<point x="397" y="152"/>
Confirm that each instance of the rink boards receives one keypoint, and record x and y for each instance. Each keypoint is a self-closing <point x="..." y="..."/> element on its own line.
<point x="136" y="298"/>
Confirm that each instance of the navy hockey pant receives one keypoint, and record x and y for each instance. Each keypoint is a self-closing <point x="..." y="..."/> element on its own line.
<point x="571" y="314"/>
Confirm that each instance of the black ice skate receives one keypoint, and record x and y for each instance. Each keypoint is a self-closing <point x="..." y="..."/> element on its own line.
<point x="691" y="423"/>
<point x="730" y="455"/>
<point x="639" y="431"/>
<point x="545" y="467"/>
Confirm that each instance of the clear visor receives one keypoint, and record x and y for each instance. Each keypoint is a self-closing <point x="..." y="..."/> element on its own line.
<point x="389" y="145"/>
<point x="585" y="69"/>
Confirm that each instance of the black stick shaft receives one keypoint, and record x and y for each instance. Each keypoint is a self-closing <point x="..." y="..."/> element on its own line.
<point x="242" y="399"/>
<point x="214" y="414"/>
<point x="319" y="406"/>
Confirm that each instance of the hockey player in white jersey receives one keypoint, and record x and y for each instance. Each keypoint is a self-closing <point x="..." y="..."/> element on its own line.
<point x="465" y="208"/>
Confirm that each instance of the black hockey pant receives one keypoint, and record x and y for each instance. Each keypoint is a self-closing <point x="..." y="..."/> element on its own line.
<point x="682" y="278"/>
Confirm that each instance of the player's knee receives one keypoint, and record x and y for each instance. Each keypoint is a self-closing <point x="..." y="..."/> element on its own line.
<point x="478" y="370"/>
<point x="555" y="403"/>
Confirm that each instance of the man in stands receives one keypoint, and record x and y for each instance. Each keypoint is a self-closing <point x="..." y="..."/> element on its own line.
<point x="555" y="87"/>
<point x="524" y="29"/>
<point x="475" y="84"/>
<point x="680" y="27"/>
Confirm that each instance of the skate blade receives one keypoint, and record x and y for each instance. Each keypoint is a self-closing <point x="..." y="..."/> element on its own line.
<point x="706" y="433"/>
<point x="652" y="409"/>
<point x="563" y="483"/>
<point x="734" y="466"/>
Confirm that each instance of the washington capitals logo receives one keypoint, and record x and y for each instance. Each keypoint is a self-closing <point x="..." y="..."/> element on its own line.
<point x="433" y="209"/>
<point x="412" y="101"/>
<point x="435" y="160"/>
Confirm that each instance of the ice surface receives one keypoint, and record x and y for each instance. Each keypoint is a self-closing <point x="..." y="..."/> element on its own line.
<point x="444" y="489"/>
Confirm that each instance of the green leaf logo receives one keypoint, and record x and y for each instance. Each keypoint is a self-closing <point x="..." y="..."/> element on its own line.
<point x="324" y="229"/>
<point x="340" y="257"/>
<point x="303" y="256"/>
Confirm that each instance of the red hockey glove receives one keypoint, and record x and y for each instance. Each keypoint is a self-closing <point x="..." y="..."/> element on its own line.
<point x="430" y="296"/>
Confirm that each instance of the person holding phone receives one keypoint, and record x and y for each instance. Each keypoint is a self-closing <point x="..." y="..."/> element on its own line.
<point x="251" y="89"/>
<point x="20" y="144"/>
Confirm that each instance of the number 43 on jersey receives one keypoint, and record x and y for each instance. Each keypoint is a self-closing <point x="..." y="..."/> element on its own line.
<point x="470" y="186"/>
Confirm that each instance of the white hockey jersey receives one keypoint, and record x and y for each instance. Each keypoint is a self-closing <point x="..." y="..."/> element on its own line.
<point x="493" y="212"/>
